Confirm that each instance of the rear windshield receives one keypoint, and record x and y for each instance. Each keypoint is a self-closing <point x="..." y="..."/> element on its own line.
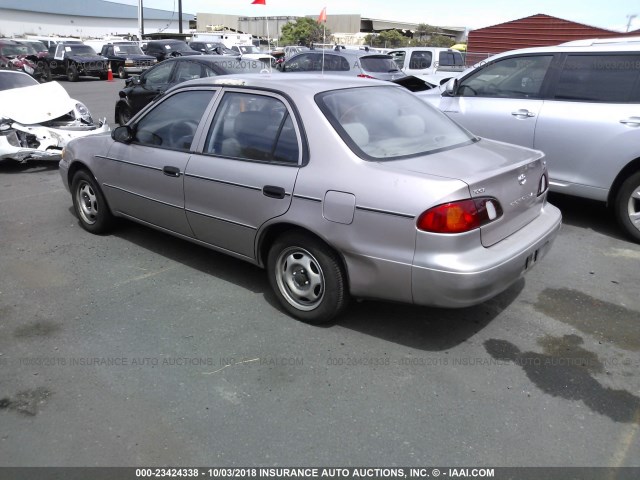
<point x="378" y="64"/>
<point x="396" y="125"/>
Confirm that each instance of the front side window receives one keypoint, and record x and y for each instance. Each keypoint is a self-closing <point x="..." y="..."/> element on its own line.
<point x="397" y="125"/>
<point x="172" y="123"/>
<point x="513" y="77"/>
<point x="253" y="127"/>
<point x="159" y="75"/>
<point x="599" y="78"/>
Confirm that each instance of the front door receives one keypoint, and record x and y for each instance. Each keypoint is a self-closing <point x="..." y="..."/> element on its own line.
<point x="501" y="101"/>
<point x="144" y="180"/>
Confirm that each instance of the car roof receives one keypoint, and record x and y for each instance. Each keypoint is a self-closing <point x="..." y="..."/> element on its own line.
<point x="300" y="84"/>
<point x="577" y="46"/>
<point x="343" y="52"/>
<point x="412" y="49"/>
<point x="166" y="40"/>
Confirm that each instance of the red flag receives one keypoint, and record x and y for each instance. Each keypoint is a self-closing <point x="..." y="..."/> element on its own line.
<point x="259" y="2"/>
<point x="323" y="16"/>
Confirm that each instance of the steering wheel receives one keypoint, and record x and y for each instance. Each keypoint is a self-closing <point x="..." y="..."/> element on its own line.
<point x="181" y="134"/>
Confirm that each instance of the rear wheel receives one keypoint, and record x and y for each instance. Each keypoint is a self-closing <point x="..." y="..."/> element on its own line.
<point x="627" y="206"/>
<point x="72" y="73"/>
<point x="307" y="277"/>
<point x="89" y="203"/>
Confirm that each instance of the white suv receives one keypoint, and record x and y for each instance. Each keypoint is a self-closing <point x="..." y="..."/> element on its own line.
<point x="578" y="102"/>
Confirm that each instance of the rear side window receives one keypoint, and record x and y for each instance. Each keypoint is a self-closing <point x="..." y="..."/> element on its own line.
<point x="420" y="60"/>
<point x="253" y="127"/>
<point x="450" y="59"/>
<point x="378" y="63"/>
<point x="599" y="78"/>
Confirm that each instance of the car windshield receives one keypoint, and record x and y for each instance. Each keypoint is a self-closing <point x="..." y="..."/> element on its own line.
<point x="249" y="49"/>
<point x="378" y="63"/>
<point x="178" y="47"/>
<point x="9" y="80"/>
<point x="127" y="49"/>
<point x="80" y="49"/>
<point x="397" y="125"/>
<point x="12" y="50"/>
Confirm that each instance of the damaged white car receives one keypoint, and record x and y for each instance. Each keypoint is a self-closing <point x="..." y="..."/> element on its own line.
<point x="38" y="119"/>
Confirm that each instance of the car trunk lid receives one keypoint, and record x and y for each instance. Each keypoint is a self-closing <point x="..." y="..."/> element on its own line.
<point x="508" y="173"/>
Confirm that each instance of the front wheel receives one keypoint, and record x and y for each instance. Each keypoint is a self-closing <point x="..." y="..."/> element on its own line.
<point x="89" y="204"/>
<point x="121" y="73"/>
<point x="627" y="206"/>
<point x="72" y="73"/>
<point x="307" y="277"/>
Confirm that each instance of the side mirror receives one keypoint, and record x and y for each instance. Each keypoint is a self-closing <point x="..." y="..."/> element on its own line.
<point x="451" y="88"/>
<point x="122" y="134"/>
<point x="136" y="80"/>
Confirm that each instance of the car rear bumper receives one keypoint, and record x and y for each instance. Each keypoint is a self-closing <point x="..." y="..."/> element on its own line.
<point x="447" y="272"/>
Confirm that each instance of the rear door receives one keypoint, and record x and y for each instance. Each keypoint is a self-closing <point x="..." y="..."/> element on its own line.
<point x="501" y="100"/>
<point x="246" y="171"/>
<point x="590" y="126"/>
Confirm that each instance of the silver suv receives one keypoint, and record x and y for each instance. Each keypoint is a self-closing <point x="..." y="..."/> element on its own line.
<point x="578" y="102"/>
<point x="340" y="61"/>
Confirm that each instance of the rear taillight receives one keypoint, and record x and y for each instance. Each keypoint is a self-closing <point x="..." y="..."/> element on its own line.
<point x="461" y="216"/>
<point x="543" y="185"/>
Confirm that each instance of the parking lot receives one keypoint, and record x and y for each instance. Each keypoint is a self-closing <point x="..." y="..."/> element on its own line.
<point x="138" y="348"/>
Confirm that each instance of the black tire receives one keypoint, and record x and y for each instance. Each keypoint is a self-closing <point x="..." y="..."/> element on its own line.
<point x="307" y="277"/>
<point x="72" y="73"/>
<point x="627" y="206"/>
<point x="121" y="73"/>
<point x="89" y="204"/>
<point x="46" y="75"/>
<point x="124" y="115"/>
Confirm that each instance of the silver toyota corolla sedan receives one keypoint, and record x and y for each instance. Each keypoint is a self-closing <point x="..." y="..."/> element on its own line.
<point x="336" y="186"/>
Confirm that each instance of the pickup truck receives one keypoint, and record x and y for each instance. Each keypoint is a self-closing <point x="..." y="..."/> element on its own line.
<point x="127" y="58"/>
<point x="75" y="59"/>
<point x="432" y="64"/>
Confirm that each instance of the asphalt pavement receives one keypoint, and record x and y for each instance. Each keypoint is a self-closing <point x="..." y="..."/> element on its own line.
<point x="137" y="348"/>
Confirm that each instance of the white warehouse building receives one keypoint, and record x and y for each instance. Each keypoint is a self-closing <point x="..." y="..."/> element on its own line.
<point x="83" y="18"/>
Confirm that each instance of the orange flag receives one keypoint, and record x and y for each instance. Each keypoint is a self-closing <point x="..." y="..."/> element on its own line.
<point x="259" y="2"/>
<point x="323" y="16"/>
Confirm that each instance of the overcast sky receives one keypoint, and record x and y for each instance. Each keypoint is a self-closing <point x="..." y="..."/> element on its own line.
<point x="610" y="14"/>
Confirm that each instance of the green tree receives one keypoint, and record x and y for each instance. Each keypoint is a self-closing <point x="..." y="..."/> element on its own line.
<point x="391" y="39"/>
<point x="440" y="41"/>
<point x="303" y="31"/>
<point x="423" y="30"/>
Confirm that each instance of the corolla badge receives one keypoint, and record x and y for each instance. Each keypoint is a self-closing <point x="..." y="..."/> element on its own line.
<point x="522" y="179"/>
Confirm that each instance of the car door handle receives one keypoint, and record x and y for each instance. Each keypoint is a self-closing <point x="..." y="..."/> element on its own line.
<point x="524" y="113"/>
<point x="171" y="171"/>
<point x="631" y="121"/>
<point x="273" y="192"/>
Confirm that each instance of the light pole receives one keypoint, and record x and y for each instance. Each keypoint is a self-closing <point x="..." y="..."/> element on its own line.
<point x="140" y="20"/>
<point x="629" y="20"/>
